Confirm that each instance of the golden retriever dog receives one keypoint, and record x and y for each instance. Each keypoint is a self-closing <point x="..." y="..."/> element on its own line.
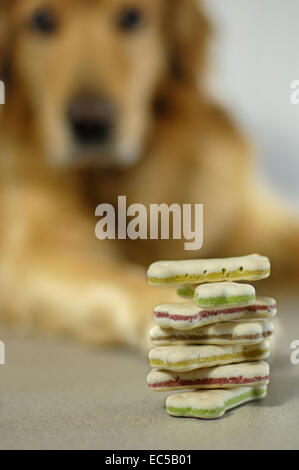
<point x="106" y="98"/>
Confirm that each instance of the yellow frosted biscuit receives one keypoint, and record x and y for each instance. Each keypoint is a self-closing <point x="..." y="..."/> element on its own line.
<point x="196" y="271"/>
<point x="185" y="358"/>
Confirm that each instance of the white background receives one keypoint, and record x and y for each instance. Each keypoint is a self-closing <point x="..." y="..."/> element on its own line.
<point x="255" y="59"/>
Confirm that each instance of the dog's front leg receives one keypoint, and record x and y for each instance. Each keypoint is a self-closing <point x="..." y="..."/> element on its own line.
<point x="100" y="304"/>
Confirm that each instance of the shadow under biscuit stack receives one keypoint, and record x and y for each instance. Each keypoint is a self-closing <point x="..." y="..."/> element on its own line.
<point x="213" y="344"/>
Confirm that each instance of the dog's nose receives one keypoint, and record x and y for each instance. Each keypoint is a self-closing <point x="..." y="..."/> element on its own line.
<point x="92" y="120"/>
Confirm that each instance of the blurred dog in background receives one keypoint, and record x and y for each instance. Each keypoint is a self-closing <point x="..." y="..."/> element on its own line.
<point x="106" y="98"/>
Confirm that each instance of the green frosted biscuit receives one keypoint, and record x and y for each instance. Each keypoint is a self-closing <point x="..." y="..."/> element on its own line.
<point x="223" y="293"/>
<point x="212" y="403"/>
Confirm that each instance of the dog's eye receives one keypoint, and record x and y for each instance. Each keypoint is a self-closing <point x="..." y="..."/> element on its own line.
<point x="130" y="19"/>
<point x="43" y="21"/>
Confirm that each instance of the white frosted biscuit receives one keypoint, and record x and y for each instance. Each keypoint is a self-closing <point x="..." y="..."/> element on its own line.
<point x="250" y="332"/>
<point x="228" y="376"/>
<point x="185" y="358"/>
<point x="223" y="293"/>
<point x="251" y="267"/>
<point x="185" y="316"/>
<point x="211" y="403"/>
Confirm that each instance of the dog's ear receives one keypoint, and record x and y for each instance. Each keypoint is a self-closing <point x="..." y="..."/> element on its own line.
<point x="188" y="32"/>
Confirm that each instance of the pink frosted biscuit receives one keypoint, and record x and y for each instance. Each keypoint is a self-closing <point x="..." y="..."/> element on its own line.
<point x="186" y="316"/>
<point x="228" y="376"/>
<point x="218" y="333"/>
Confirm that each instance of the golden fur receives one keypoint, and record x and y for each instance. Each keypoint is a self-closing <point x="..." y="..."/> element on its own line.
<point x="173" y="145"/>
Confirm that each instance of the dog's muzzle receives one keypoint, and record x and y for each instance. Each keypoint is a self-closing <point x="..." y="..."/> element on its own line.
<point x="92" y="120"/>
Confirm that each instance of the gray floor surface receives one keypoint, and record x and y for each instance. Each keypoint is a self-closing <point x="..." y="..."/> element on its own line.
<point x="58" y="395"/>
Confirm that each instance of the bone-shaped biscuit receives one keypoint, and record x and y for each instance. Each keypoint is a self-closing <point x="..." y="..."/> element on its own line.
<point x="185" y="358"/>
<point x="236" y="332"/>
<point x="186" y="316"/>
<point x="196" y="271"/>
<point x="211" y="403"/>
<point x="228" y="376"/>
<point x="223" y="293"/>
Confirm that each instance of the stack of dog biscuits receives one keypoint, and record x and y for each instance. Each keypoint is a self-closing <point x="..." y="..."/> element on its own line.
<point x="215" y="342"/>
